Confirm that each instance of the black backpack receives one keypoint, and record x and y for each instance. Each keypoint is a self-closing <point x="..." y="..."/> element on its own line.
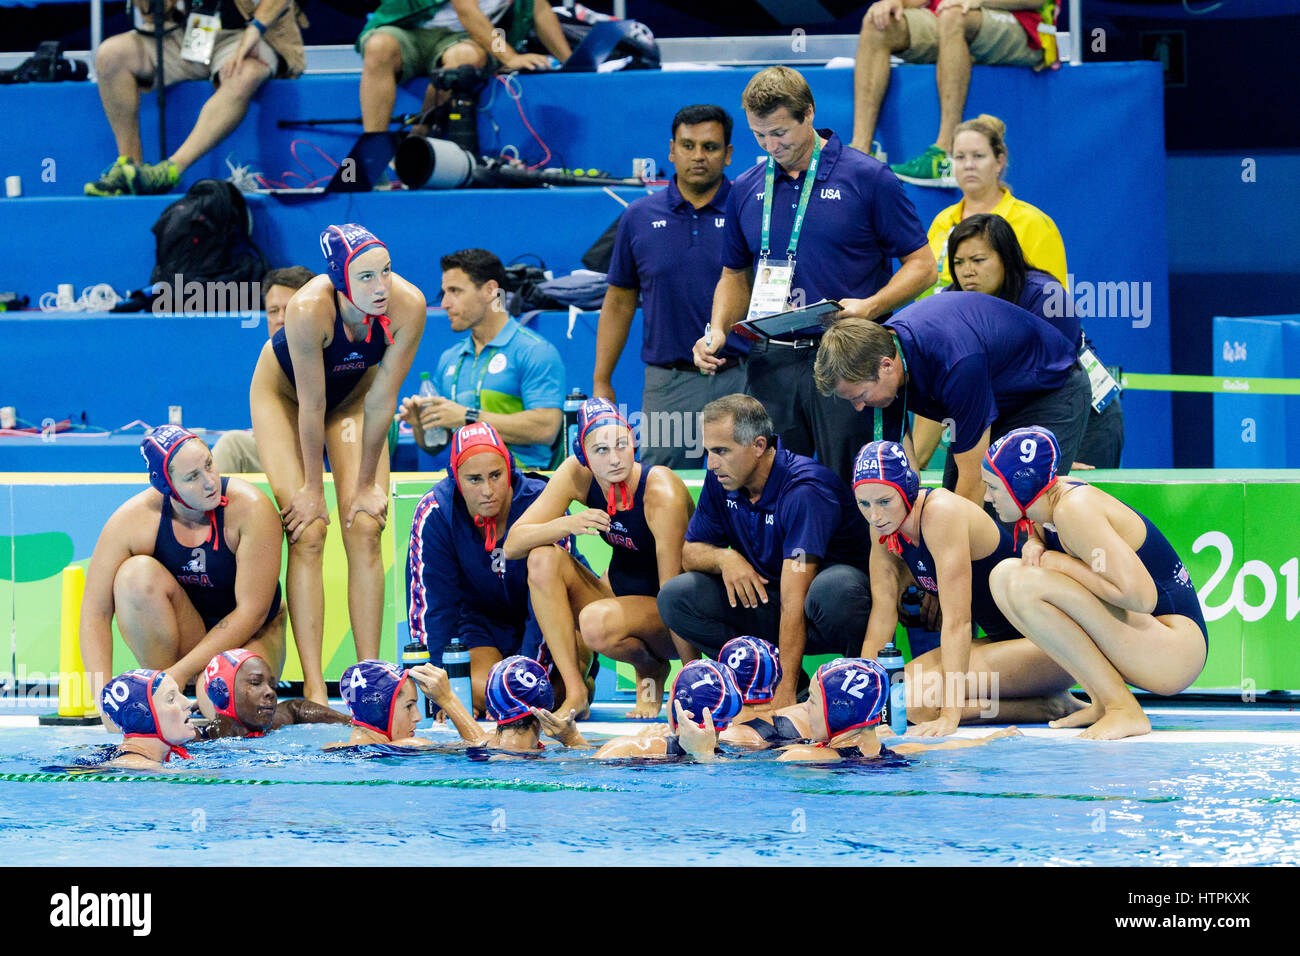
<point x="204" y="237"/>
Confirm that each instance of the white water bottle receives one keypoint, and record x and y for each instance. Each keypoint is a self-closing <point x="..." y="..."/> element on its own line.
<point x="436" y="437"/>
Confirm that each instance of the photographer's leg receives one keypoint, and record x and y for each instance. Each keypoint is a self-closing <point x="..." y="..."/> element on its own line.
<point x="380" y="68"/>
<point x="223" y="111"/>
<point x="122" y="65"/>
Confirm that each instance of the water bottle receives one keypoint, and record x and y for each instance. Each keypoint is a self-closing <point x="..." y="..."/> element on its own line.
<point x="895" y="713"/>
<point x="572" y="405"/>
<point x="455" y="660"/>
<point x="413" y="655"/>
<point x="436" y="437"/>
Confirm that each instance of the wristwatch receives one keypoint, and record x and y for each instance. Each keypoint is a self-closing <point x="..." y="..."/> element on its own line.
<point x="471" y="415"/>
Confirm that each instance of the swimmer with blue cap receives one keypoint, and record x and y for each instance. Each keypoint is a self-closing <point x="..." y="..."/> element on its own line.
<point x="845" y="702"/>
<point x="756" y="664"/>
<point x="236" y="693"/>
<point x="154" y="717"/>
<point x="641" y="512"/>
<point x="384" y="705"/>
<point x="519" y="698"/>
<point x="948" y="546"/>
<point x="704" y="701"/>
<point x="186" y="568"/>
<point x="328" y="381"/>
<point x="1132" y="618"/>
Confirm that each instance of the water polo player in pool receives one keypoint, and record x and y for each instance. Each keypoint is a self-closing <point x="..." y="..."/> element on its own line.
<point x="329" y="380"/>
<point x="948" y="545"/>
<point x="236" y="693"/>
<point x="190" y="567"/>
<point x="154" y="717"/>
<point x="1097" y="586"/>
<point x="844" y="706"/>
<point x="704" y="700"/>
<point x="756" y="665"/>
<point x="642" y="514"/>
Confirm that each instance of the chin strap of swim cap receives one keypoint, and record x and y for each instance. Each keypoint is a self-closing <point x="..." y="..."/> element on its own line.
<point x="489" y="526"/>
<point x="620" y="498"/>
<point x="383" y="324"/>
<point x="172" y="749"/>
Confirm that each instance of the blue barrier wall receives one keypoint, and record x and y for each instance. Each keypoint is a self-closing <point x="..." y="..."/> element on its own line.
<point x="1257" y="431"/>
<point x="112" y="370"/>
<point x="1085" y="146"/>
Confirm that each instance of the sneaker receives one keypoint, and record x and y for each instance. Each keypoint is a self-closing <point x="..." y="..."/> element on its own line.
<point x="117" y="180"/>
<point x="158" y="178"/>
<point x="931" y="168"/>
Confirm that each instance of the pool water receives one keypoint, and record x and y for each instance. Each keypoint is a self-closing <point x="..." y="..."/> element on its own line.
<point x="1031" y="800"/>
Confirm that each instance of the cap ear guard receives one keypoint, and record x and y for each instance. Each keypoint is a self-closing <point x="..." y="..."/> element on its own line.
<point x="705" y="684"/>
<point x="853" y="691"/>
<point x="594" y="411"/>
<point x="340" y="245"/>
<point x="516" y="685"/>
<point x="370" y="688"/>
<point x="1026" y="461"/>
<point x="886" y="462"/>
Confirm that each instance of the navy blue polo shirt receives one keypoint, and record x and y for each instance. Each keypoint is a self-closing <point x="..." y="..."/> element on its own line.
<point x="858" y="219"/>
<point x="1044" y="296"/>
<point x="805" y="510"/>
<point x="972" y="357"/>
<point x="672" y="252"/>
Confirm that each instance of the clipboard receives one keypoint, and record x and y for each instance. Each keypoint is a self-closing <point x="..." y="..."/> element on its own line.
<point x="812" y="320"/>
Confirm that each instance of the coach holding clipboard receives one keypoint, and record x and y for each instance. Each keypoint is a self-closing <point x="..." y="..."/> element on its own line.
<point x="824" y="225"/>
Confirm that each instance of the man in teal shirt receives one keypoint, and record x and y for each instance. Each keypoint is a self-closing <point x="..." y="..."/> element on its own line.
<point x="502" y="373"/>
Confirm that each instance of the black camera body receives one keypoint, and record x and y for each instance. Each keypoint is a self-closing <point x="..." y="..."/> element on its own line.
<point x="457" y="120"/>
<point x="46" y="65"/>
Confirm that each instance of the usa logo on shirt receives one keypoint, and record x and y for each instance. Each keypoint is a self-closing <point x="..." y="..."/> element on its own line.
<point x="830" y="194"/>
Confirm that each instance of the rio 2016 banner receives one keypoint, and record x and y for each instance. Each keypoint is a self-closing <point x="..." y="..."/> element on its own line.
<point x="1240" y="541"/>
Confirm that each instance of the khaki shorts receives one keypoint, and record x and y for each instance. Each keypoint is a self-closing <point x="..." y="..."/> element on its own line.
<point x="422" y="48"/>
<point x="176" y="69"/>
<point x="1001" y="40"/>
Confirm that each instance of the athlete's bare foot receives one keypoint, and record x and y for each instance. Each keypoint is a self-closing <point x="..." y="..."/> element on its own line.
<point x="1062" y="705"/>
<point x="1119" y="723"/>
<point x="649" y="693"/>
<point x="1080" y="718"/>
<point x="579" y="704"/>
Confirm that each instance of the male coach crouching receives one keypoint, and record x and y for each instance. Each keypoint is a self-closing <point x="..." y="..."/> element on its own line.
<point x="768" y="518"/>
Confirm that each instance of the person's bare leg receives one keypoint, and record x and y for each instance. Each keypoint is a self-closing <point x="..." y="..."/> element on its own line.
<point x="224" y="110"/>
<point x="1106" y="647"/>
<point x="629" y="629"/>
<point x="952" y="72"/>
<point x="269" y="641"/>
<point x="120" y="67"/>
<point x="871" y="76"/>
<point x="558" y="586"/>
<point x="154" y="614"/>
<point x="361" y="542"/>
<point x="380" y="67"/>
<point x="1007" y="682"/>
<point x="275" y="428"/>
<point x="481" y="662"/>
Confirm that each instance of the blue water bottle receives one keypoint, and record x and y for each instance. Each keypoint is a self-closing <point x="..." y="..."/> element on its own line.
<point x="572" y="405"/>
<point x="413" y="655"/>
<point x="895" y="713"/>
<point x="455" y="661"/>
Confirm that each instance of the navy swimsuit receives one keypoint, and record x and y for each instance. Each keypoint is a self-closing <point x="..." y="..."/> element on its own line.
<point x="634" y="566"/>
<point x="345" y="362"/>
<point x="776" y="733"/>
<point x="984" y="610"/>
<point x="1175" y="593"/>
<point x="207" y="572"/>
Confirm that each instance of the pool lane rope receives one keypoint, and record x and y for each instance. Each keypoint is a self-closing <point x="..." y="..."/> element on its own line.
<point x="1082" y="797"/>
<point x="469" y="783"/>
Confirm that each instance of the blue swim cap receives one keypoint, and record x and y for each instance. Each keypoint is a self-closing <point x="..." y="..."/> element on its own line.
<point x="886" y="463"/>
<point x="513" y="686"/>
<point x="1025" y="460"/>
<point x="755" y="664"/>
<point x="702" y="684"/>
<point x="854" y="690"/>
<point x="340" y="245"/>
<point x="370" y="689"/>
<point x="128" y="701"/>
<point x="594" y="413"/>
<point x="157" y="449"/>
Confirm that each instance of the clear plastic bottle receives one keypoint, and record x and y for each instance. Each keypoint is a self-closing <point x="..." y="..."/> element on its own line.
<point x="455" y="661"/>
<point x="895" y="714"/>
<point x="435" y="437"/>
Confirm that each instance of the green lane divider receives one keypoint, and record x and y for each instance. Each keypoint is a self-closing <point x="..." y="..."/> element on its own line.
<point x="1081" y="797"/>
<point x="458" y="784"/>
<point x="1211" y="383"/>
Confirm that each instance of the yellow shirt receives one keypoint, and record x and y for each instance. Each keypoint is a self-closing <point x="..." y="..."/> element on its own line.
<point x="1039" y="238"/>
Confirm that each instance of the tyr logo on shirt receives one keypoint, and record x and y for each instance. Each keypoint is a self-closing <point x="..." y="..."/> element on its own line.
<point x="198" y="561"/>
<point x="830" y="194"/>
<point x="659" y="223"/>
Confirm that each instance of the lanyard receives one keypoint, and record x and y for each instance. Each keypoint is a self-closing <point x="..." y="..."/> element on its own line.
<point x="769" y="183"/>
<point x="879" y="430"/>
<point x="478" y="386"/>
